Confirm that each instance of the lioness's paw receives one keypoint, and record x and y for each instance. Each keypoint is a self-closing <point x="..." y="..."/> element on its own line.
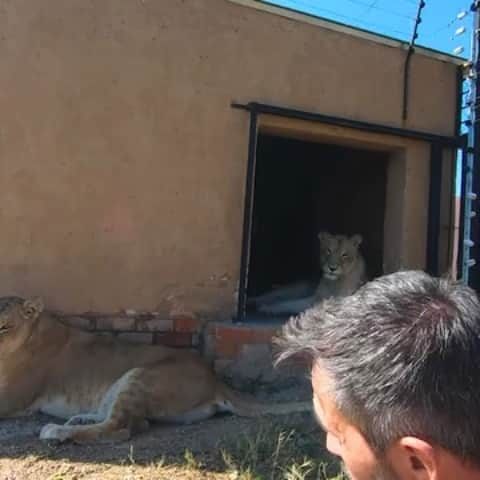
<point x="54" y="432"/>
<point x="85" y="419"/>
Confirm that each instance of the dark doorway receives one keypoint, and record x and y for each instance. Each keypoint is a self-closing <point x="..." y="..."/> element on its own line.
<point x="302" y="188"/>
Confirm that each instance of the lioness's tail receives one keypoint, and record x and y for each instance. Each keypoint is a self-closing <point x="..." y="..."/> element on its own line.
<point x="245" y="406"/>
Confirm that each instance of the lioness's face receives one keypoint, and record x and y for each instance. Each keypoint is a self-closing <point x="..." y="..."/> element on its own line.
<point x="17" y="317"/>
<point x="338" y="254"/>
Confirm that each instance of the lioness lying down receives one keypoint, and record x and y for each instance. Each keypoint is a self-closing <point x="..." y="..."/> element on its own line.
<point x="105" y="388"/>
<point x="343" y="272"/>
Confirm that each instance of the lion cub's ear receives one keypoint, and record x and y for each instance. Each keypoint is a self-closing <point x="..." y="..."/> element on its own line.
<point x="324" y="236"/>
<point x="356" y="240"/>
<point x="32" y="308"/>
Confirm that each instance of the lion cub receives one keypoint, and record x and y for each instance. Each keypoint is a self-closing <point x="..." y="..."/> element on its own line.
<point x="104" y="388"/>
<point x="343" y="271"/>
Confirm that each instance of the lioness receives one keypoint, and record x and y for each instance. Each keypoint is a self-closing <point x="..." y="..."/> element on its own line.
<point x="343" y="271"/>
<point x="105" y="388"/>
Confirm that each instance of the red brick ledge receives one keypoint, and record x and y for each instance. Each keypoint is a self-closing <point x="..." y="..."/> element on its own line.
<point x="227" y="340"/>
<point x="178" y="331"/>
<point x="217" y="340"/>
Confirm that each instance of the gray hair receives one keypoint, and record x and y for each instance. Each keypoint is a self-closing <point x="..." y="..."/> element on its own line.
<point x="404" y="356"/>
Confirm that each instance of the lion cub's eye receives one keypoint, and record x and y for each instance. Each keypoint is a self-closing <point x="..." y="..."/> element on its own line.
<point x="329" y="252"/>
<point x="344" y="255"/>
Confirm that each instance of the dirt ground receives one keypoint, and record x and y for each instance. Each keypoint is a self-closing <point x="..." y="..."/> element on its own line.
<point x="219" y="448"/>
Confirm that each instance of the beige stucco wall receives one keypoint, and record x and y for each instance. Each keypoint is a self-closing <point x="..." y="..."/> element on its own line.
<point x="122" y="165"/>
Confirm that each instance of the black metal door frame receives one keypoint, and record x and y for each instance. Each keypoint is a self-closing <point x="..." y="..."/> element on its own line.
<point x="437" y="145"/>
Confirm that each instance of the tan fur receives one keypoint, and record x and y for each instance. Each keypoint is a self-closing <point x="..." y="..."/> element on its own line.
<point x="106" y="389"/>
<point x="343" y="271"/>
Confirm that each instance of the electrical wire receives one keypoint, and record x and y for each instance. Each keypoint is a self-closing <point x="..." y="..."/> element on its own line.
<point x="381" y="9"/>
<point x="418" y="20"/>
<point x="448" y="25"/>
<point x="352" y="20"/>
<point x="369" y="9"/>
<point x="362" y="20"/>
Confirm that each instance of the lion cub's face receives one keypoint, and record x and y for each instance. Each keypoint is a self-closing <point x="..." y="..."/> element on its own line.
<point x="338" y="254"/>
<point x="17" y="318"/>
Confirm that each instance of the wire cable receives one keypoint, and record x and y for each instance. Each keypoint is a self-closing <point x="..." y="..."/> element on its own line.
<point x="410" y="51"/>
<point x="369" y="9"/>
<point x="382" y="9"/>
<point x="449" y="24"/>
<point x="311" y="8"/>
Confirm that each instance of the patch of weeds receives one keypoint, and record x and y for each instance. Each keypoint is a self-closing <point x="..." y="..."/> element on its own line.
<point x="131" y="457"/>
<point x="274" y="453"/>
<point x="64" y="473"/>
<point x="158" y="464"/>
<point x="191" y="462"/>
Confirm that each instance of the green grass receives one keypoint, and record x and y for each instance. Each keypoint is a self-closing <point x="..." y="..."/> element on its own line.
<point x="278" y="454"/>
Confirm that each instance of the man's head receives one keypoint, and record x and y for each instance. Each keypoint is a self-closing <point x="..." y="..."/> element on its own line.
<point x="396" y="376"/>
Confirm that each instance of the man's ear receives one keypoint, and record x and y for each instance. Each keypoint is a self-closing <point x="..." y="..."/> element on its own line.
<point x="32" y="308"/>
<point x="414" y="459"/>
